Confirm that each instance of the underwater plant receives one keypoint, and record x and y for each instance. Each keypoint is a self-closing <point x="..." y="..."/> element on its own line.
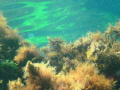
<point x="9" y="40"/>
<point x="55" y="43"/>
<point x="41" y="76"/>
<point x="38" y="76"/>
<point x="114" y="31"/>
<point x="9" y="43"/>
<point x="26" y="53"/>
<point x="8" y="71"/>
<point x="84" y="77"/>
<point x="89" y="63"/>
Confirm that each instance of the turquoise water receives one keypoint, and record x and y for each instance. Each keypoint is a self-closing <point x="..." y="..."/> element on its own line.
<point x="70" y="19"/>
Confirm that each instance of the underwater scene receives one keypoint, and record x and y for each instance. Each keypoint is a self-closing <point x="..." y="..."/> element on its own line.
<point x="59" y="45"/>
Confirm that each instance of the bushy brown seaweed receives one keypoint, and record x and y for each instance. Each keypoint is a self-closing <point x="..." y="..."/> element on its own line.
<point x="10" y="42"/>
<point x="89" y="63"/>
<point x="39" y="76"/>
<point x="26" y="53"/>
<point x="84" y="77"/>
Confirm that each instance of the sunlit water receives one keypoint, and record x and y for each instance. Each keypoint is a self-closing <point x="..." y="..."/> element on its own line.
<point x="70" y="19"/>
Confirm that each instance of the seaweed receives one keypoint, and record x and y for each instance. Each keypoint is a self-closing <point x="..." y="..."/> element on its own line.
<point x="89" y="63"/>
<point x="8" y="71"/>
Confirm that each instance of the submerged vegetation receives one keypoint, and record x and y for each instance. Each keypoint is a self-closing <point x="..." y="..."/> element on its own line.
<point x="89" y="63"/>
